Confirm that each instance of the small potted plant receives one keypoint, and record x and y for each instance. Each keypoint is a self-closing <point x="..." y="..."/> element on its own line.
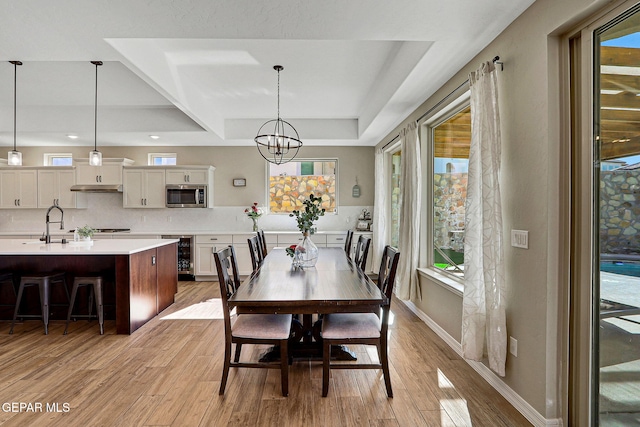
<point x="306" y="253"/>
<point x="85" y="233"/>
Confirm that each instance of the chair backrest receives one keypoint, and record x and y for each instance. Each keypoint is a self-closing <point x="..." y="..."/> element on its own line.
<point x="362" y="251"/>
<point x="256" y="252"/>
<point x="228" y="278"/>
<point x="263" y="242"/>
<point x="348" y="242"/>
<point x="386" y="280"/>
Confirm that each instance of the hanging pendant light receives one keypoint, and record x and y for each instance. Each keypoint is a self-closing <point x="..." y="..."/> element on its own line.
<point x="14" y="157"/>
<point x="95" y="157"/>
<point x="278" y="138"/>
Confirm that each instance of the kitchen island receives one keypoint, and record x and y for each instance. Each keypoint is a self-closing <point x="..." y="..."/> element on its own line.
<point x="143" y="272"/>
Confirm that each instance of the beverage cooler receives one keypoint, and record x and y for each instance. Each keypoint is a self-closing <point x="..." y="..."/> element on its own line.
<point x="186" y="256"/>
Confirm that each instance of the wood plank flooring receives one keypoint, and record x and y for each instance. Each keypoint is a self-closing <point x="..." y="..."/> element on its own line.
<point x="168" y="374"/>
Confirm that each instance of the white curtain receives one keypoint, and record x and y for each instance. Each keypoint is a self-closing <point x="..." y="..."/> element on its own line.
<point x="407" y="284"/>
<point x="483" y="313"/>
<point x="381" y="201"/>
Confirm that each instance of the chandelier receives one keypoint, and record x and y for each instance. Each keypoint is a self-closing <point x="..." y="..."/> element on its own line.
<point x="277" y="140"/>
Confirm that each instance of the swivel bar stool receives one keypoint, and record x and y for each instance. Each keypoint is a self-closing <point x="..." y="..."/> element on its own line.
<point x="43" y="281"/>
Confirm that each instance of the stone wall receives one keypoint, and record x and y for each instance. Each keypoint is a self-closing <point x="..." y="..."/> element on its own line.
<point x="620" y="212"/>
<point x="287" y="192"/>
<point x="449" y="192"/>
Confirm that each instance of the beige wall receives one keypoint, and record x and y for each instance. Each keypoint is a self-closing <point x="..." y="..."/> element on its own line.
<point x="530" y="184"/>
<point x="241" y="162"/>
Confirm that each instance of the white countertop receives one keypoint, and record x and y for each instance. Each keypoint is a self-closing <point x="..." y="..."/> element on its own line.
<point x="99" y="247"/>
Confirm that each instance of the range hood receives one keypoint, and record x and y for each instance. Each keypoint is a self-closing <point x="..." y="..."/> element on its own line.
<point x="98" y="188"/>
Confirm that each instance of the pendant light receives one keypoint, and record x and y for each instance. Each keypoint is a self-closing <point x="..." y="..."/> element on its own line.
<point x="278" y="138"/>
<point x="14" y="157"/>
<point x="95" y="157"/>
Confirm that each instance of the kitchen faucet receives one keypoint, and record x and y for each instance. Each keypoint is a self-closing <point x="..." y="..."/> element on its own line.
<point x="47" y="237"/>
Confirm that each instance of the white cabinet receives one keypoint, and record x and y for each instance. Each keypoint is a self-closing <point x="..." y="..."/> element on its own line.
<point x="18" y="188"/>
<point x="110" y="173"/>
<point x="54" y="188"/>
<point x="143" y="187"/>
<point x="190" y="175"/>
<point x="243" y="256"/>
<point x="206" y="246"/>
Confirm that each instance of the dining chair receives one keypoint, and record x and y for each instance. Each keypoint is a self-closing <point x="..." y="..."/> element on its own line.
<point x="263" y="242"/>
<point x="362" y="328"/>
<point x="273" y="329"/>
<point x="256" y="253"/>
<point x="348" y="243"/>
<point x="362" y="251"/>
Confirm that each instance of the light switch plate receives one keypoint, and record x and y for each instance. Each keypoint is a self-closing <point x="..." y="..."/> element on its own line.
<point x="520" y="239"/>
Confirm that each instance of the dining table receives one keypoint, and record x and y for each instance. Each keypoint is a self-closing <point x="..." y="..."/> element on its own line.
<point x="334" y="285"/>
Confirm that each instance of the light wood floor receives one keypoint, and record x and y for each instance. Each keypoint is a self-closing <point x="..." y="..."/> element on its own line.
<point x="168" y="373"/>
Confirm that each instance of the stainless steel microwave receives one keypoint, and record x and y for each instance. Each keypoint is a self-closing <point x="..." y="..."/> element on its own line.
<point x="186" y="196"/>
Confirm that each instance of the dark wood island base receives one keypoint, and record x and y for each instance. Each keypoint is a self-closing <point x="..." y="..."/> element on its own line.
<point x="145" y="282"/>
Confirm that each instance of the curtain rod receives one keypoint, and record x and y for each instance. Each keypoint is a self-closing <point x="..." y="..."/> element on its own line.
<point x="495" y="60"/>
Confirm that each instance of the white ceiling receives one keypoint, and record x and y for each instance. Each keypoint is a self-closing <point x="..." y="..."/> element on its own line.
<point x="200" y="72"/>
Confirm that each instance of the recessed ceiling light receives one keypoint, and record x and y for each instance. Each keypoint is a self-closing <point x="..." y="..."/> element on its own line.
<point x="154" y="137"/>
<point x="73" y="136"/>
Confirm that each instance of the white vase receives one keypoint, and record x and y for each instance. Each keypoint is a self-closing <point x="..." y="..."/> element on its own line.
<point x="306" y="254"/>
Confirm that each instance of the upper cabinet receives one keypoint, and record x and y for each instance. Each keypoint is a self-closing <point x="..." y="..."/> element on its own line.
<point x="18" y="188"/>
<point x="190" y="175"/>
<point x="143" y="187"/>
<point x="54" y="188"/>
<point x="110" y="173"/>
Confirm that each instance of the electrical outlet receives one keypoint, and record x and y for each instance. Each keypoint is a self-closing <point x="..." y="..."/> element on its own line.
<point x="168" y="219"/>
<point x="513" y="346"/>
<point x="520" y="239"/>
<point x="144" y="218"/>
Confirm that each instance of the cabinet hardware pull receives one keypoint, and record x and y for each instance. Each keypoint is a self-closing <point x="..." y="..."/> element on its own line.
<point x="340" y="238"/>
<point x="214" y="238"/>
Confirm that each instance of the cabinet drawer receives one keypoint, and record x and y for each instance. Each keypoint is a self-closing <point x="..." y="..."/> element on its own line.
<point x="293" y="239"/>
<point x="336" y="238"/>
<point x="242" y="238"/>
<point x="225" y="239"/>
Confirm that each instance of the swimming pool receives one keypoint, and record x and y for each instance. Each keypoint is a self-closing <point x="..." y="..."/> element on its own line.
<point x="627" y="268"/>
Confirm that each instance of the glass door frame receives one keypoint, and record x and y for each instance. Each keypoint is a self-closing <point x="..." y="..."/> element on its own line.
<point x="583" y="322"/>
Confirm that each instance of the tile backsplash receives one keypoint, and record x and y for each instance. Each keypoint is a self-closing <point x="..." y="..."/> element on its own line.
<point x="104" y="210"/>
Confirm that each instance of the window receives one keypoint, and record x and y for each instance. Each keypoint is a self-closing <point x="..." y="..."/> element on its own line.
<point x="396" y="158"/>
<point x="58" y="159"/>
<point x="161" y="159"/>
<point x="450" y="139"/>
<point x="291" y="183"/>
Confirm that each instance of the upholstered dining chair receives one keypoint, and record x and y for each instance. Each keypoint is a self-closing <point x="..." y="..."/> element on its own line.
<point x="362" y="328"/>
<point x="256" y="252"/>
<point x="273" y="329"/>
<point x="362" y="251"/>
<point x="348" y="243"/>
<point x="263" y="242"/>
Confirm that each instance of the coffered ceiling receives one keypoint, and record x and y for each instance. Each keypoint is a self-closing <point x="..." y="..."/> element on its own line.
<point x="200" y="72"/>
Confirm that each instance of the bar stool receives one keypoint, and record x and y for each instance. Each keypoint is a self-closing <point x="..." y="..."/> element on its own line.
<point x="43" y="281"/>
<point x="95" y="290"/>
<point x="6" y="278"/>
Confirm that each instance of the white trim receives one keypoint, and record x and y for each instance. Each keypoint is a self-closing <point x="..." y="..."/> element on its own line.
<point x="494" y="381"/>
<point x="443" y="280"/>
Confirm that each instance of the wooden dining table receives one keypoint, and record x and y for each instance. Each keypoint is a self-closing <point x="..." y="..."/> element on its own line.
<point x="334" y="285"/>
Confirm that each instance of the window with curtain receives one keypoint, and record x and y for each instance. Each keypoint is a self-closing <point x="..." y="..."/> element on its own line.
<point x="396" y="158"/>
<point x="450" y="140"/>
<point x="291" y="183"/>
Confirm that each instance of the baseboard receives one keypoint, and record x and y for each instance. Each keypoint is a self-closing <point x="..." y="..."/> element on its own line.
<point x="494" y="380"/>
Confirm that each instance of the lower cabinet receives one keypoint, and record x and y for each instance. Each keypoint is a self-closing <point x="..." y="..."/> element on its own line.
<point x="206" y="246"/>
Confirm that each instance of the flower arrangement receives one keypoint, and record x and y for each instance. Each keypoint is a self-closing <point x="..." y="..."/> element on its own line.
<point x="312" y="211"/>
<point x="85" y="231"/>
<point x="291" y="250"/>
<point x="253" y="211"/>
